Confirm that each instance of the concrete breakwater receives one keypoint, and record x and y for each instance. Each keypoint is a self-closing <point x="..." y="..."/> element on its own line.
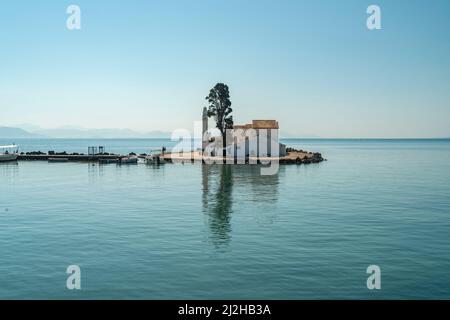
<point x="293" y="157"/>
<point x="36" y="156"/>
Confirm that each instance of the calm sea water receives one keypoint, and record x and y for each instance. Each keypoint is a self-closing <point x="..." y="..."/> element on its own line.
<point x="193" y="231"/>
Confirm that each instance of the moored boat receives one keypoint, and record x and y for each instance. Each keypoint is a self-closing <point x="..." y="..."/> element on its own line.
<point x="154" y="159"/>
<point x="9" y="153"/>
<point x="128" y="160"/>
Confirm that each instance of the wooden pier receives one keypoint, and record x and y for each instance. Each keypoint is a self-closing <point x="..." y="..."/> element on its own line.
<point x="68" y="157"/>
<point x="292" y="157"/>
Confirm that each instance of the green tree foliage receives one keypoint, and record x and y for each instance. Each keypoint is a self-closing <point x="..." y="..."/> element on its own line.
<point x="220" y="109"/>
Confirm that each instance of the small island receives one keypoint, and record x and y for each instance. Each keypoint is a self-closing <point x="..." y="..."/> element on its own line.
<point x="253" y="143"/>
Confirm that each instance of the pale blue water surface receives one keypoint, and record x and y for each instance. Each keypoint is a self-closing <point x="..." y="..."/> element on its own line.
<point x="219" y="232"/>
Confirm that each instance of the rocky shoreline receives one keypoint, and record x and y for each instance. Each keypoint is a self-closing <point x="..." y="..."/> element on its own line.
<point x="295" y="156"/>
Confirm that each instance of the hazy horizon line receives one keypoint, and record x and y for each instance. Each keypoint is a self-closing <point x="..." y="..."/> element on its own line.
<point x="285" y="136"/>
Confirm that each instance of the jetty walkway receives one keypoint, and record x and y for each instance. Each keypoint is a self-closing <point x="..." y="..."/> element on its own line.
<point x="292" y="157"/>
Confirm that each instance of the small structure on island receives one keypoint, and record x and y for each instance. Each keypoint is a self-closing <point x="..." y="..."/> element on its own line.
<point x="92" y="151"/>
<point x="257" y="139"/>
<point x="265" y="134"/>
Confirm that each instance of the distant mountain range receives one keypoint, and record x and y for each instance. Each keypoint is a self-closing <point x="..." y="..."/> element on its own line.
<point x="10" y="133"/>
<point x="77" y="133"/>
<point x="71" y="132"/>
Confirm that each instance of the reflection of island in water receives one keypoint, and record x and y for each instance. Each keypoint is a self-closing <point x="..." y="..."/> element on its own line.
<point x="223" y="184"/>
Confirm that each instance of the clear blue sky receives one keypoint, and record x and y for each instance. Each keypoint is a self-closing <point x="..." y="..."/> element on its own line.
<point x="148" y="65"/>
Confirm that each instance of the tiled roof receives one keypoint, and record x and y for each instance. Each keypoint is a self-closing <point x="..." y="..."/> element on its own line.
<point x="265" y="124"/>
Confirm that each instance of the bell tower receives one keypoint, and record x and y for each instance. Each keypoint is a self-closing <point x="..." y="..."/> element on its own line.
<point x="205" y="137"/>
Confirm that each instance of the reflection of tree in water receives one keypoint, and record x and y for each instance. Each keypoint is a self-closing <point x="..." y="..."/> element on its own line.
<point x="217" y="201"/>
<point x="224" y="185"/>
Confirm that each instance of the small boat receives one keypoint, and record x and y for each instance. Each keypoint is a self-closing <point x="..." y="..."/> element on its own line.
<point x="9" y="153"/>
<point x="154" y="159"/>
<point x="128" y="160"/>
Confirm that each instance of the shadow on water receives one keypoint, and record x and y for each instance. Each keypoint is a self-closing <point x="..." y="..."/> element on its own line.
<point x="224" y="185"/>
